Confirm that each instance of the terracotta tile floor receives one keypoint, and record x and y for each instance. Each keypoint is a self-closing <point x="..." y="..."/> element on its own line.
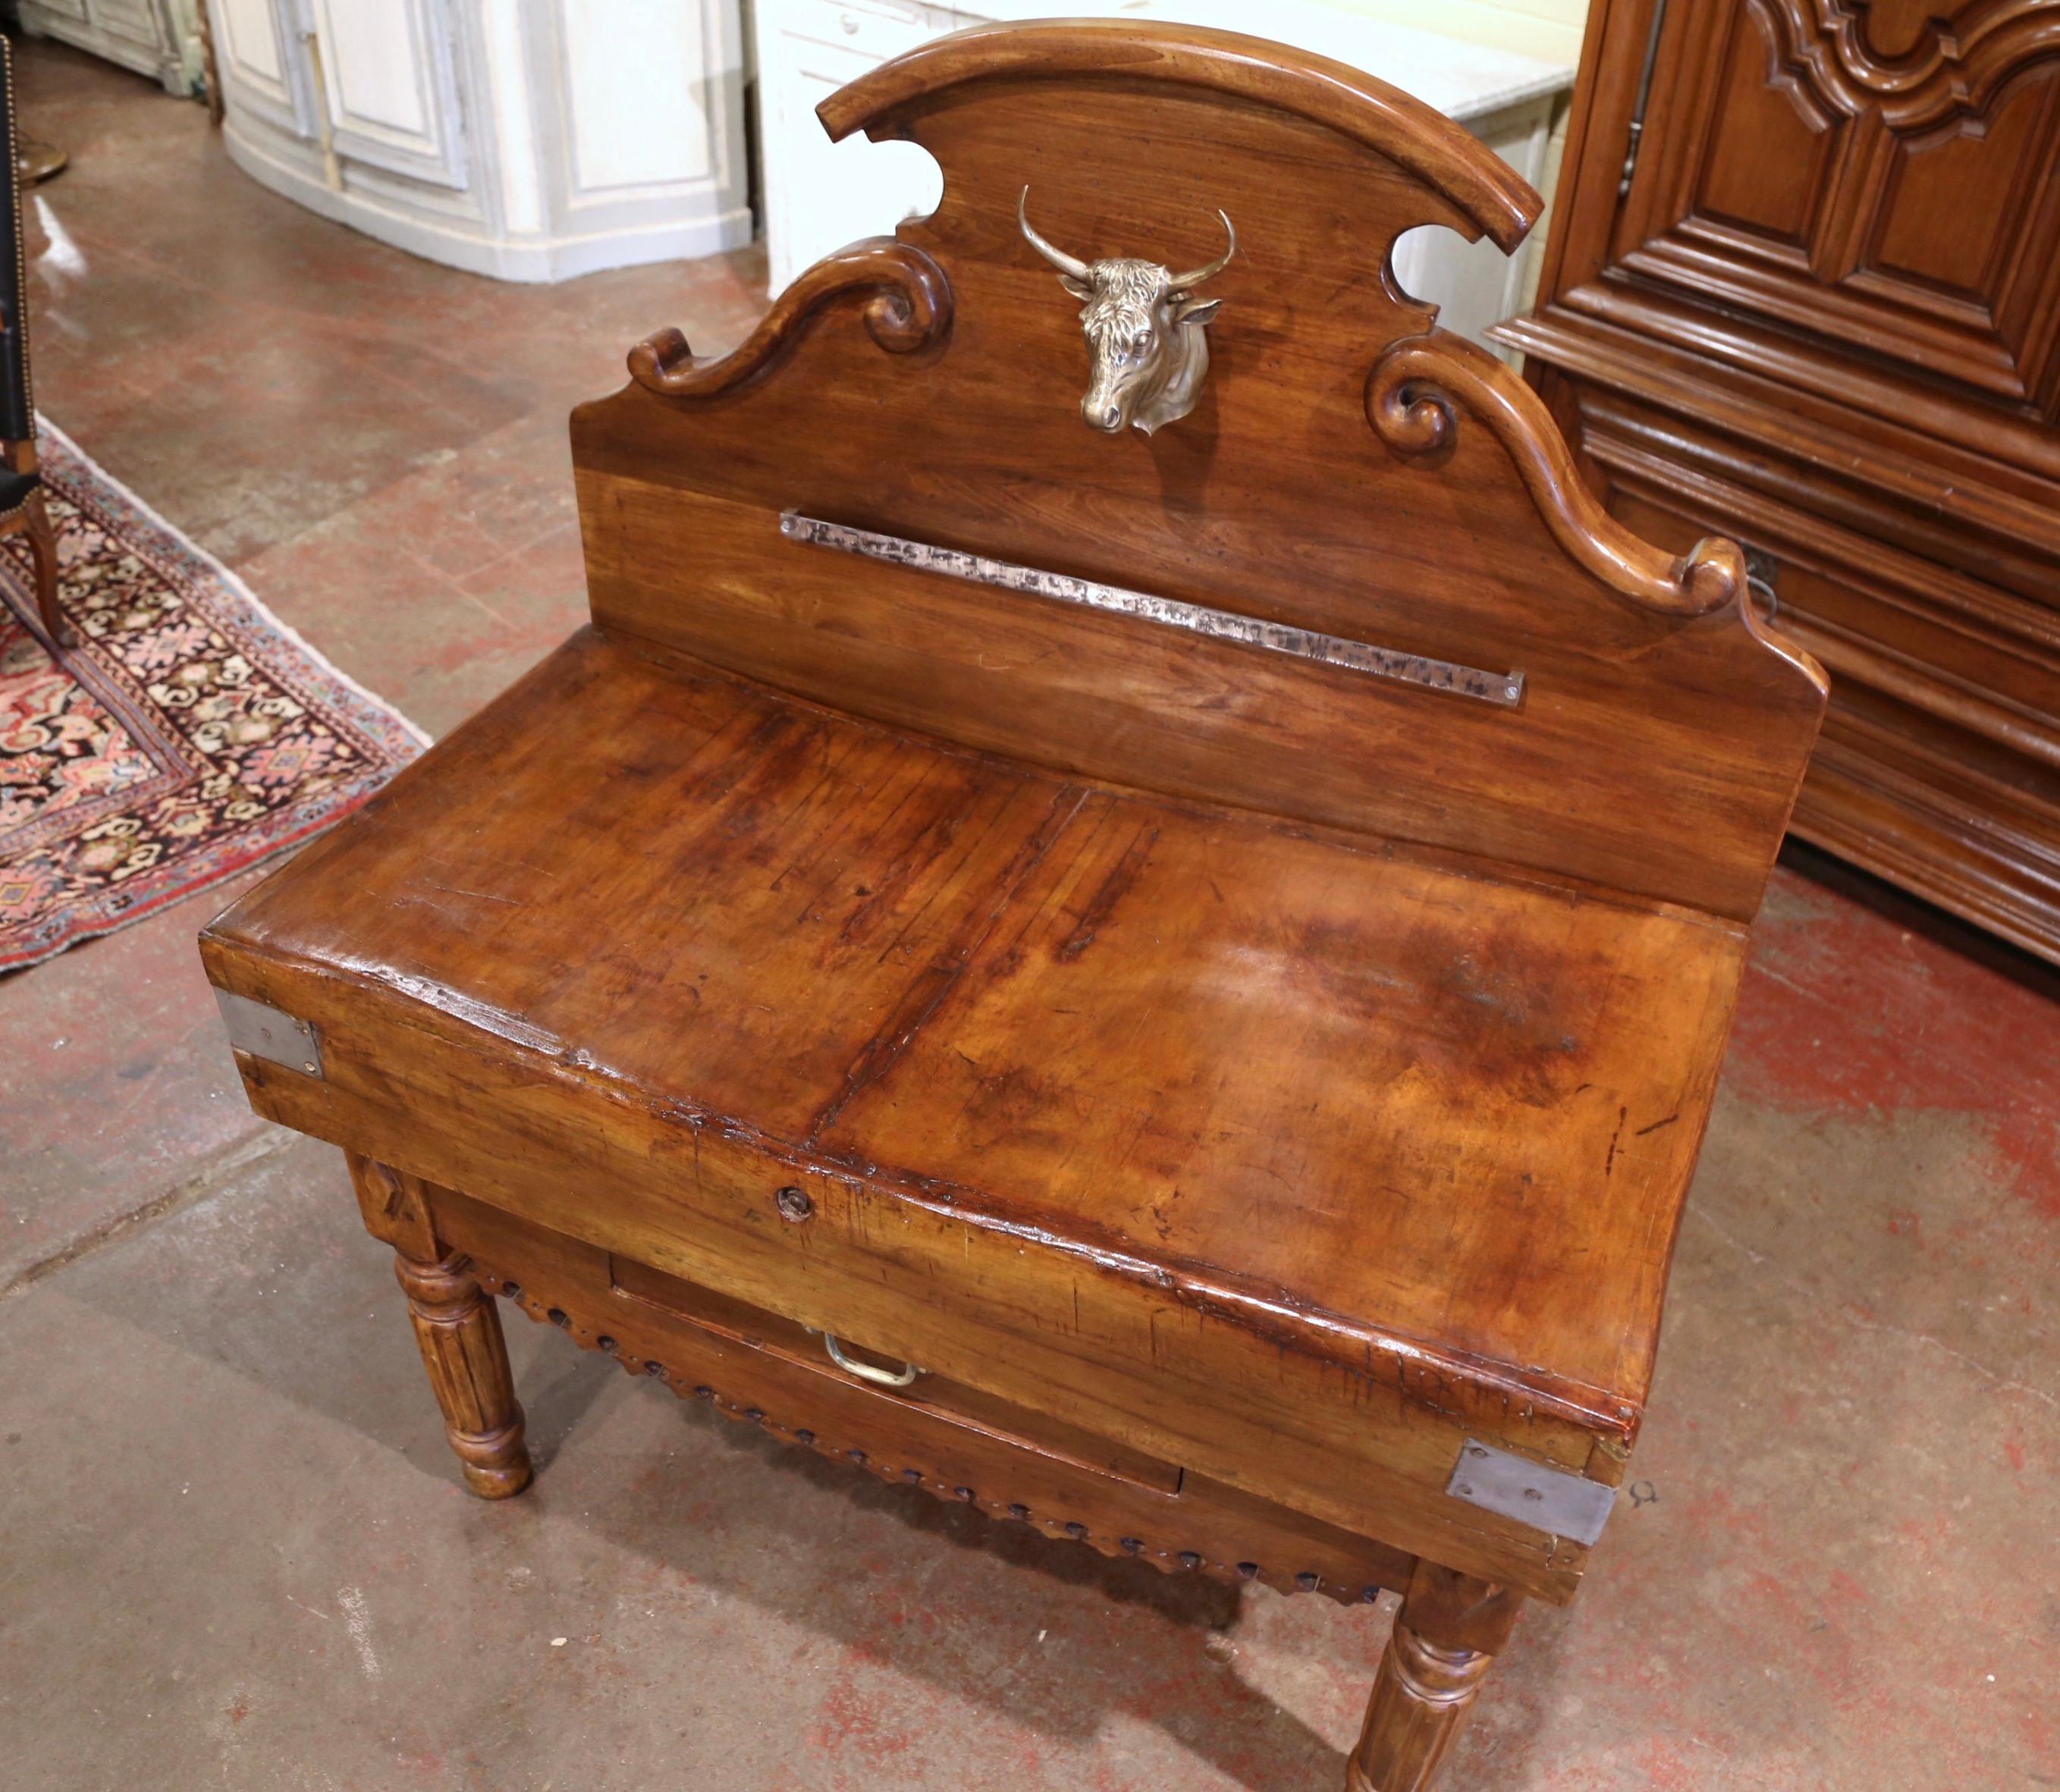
<point x="377" y="444"/>
<point x="232" y="1551"/>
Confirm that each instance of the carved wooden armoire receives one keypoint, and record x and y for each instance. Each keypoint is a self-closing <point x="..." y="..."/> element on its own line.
<point x="1804" y="290"/>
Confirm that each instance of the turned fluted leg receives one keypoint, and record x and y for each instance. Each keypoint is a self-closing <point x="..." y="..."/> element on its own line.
<point x="456" y="1326"/>
<point x="1445" y="1637"/>
<point x="459" y="1332"/>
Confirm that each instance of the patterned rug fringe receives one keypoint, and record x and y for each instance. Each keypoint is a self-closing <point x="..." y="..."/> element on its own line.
<point x="188" y="734"/>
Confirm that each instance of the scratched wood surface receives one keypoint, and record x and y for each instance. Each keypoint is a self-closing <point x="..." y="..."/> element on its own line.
<point x="1429" y="1127"/>
<point x="1364" y="1085"/>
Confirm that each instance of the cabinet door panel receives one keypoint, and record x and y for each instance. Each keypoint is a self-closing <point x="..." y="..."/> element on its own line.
<point x="257" y="54"/>
<point x="136" y="21"/>
<point x="391" y="91"/>
<point x="1885" y="176"/>
<point x="1763" y="167"/>
<point x="822" y="195"/>
<point x="640" y="124"/>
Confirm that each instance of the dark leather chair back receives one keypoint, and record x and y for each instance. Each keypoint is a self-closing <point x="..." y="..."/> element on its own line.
<point x="18" y="407"/>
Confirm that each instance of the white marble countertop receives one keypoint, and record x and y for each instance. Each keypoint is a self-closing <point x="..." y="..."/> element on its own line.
<point x="1463" y="80"/>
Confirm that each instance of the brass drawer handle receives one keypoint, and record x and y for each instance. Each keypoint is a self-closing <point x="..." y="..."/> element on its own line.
<point x="885" y="1378"/>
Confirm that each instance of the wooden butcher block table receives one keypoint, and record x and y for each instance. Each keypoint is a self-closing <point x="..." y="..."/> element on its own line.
<point x="1155" y="963"/>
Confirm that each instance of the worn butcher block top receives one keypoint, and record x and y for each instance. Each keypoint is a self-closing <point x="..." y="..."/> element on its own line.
<point x="1337" y="1088"/>
<point x="1392" y="1107"/>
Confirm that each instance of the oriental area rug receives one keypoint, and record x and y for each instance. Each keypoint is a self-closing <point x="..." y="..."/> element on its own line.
<point x="186" y="734"/>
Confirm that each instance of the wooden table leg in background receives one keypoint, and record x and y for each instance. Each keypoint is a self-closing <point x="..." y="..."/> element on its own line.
<point x="1447" y="1636"/>
<point x="43" y="554"/>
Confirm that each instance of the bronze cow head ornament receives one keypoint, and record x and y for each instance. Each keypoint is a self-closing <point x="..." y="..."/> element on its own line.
<point x="1147" y="344"/>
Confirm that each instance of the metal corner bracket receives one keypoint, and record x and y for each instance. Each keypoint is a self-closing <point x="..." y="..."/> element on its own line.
<point x="258" y="1030"/>
<point x="1547" y="1499"/>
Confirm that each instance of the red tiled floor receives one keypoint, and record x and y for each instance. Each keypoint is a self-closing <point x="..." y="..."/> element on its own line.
<point x="377" y="444"/>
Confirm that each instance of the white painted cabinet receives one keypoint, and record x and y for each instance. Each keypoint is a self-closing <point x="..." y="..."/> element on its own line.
<point x="530" y="139"/>
<point x="390" y="86"/>
<point x="158" y="37"/>
<point x="819" y="196"/>
<point x="258" y="56"/>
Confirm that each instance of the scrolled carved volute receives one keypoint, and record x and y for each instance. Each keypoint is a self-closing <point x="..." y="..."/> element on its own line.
<point x="908" y="307"/>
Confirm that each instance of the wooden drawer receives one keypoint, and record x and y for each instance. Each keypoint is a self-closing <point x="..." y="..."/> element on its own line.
<point x="1967" y="655"/>
<point x="951" y="1439"/>
<point x="1939" y="768"/>
<point x="953" y="1403"/>
<point x="870" y="29"/>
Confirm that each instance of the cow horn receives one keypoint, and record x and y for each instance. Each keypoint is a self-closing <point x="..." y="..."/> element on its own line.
<point x="1181" y="282"/>
<point x="1058" y="257"/>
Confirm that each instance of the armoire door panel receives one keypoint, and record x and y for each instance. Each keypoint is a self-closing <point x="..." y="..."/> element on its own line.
<point x="1933" y="227"/>
<point x="1819" y="312"/>
<point x="1764" y="165"/>
<point x="1891" y="30"/>
<point x="1791" y="167"/>
<point x="1971" y="221"/>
